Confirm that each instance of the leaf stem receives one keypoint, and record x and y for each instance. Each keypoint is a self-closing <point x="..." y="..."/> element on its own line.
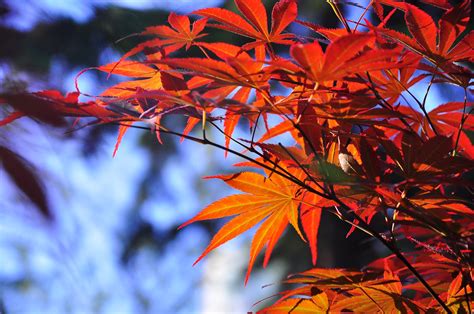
<point x="420" y="104"/>
<point x="463" y="120"/>
<point x="339" y="14"/>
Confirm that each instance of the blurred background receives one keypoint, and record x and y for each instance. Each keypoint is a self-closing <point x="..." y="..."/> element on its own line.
<point x="102" y="237"/>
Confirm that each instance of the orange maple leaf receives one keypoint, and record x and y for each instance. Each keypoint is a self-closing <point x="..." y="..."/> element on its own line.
<point x="273" y="200"/>
<point x="254" y="25"/>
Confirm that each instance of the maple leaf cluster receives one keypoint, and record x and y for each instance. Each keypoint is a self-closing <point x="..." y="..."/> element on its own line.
<point x="364" y="144"/>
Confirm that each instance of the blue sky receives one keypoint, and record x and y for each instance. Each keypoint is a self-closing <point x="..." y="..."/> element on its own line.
<point x="27" y="13"/>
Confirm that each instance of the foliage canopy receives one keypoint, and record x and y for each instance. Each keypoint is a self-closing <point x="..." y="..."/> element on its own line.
<point x="365" y="145"/>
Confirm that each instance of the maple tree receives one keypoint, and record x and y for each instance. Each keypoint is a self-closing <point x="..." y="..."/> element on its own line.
<point x="364" y="144"/>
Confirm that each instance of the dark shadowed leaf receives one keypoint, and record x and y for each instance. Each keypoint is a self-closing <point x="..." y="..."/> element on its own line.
<point x="24" y="176"/>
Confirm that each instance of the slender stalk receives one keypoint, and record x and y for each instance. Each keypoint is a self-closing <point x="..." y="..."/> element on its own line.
<point x="420" y="104"/>
<point x="363" y="14"/>
<point x="251" y="149"/>
<point x="428" y="91"/>
<point x="372" y="299"/>
<point x="339" y="14"/>
<point x="467" y="298"/>
<point x="255" y="129"/>
<point x="463" y="120"/>
<point x="241" y="155"/>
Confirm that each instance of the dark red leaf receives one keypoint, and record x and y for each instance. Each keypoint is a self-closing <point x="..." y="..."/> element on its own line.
<point x="172" y="83"/>
<point x="284" y="12"/>
<point x="26" y="179"/>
